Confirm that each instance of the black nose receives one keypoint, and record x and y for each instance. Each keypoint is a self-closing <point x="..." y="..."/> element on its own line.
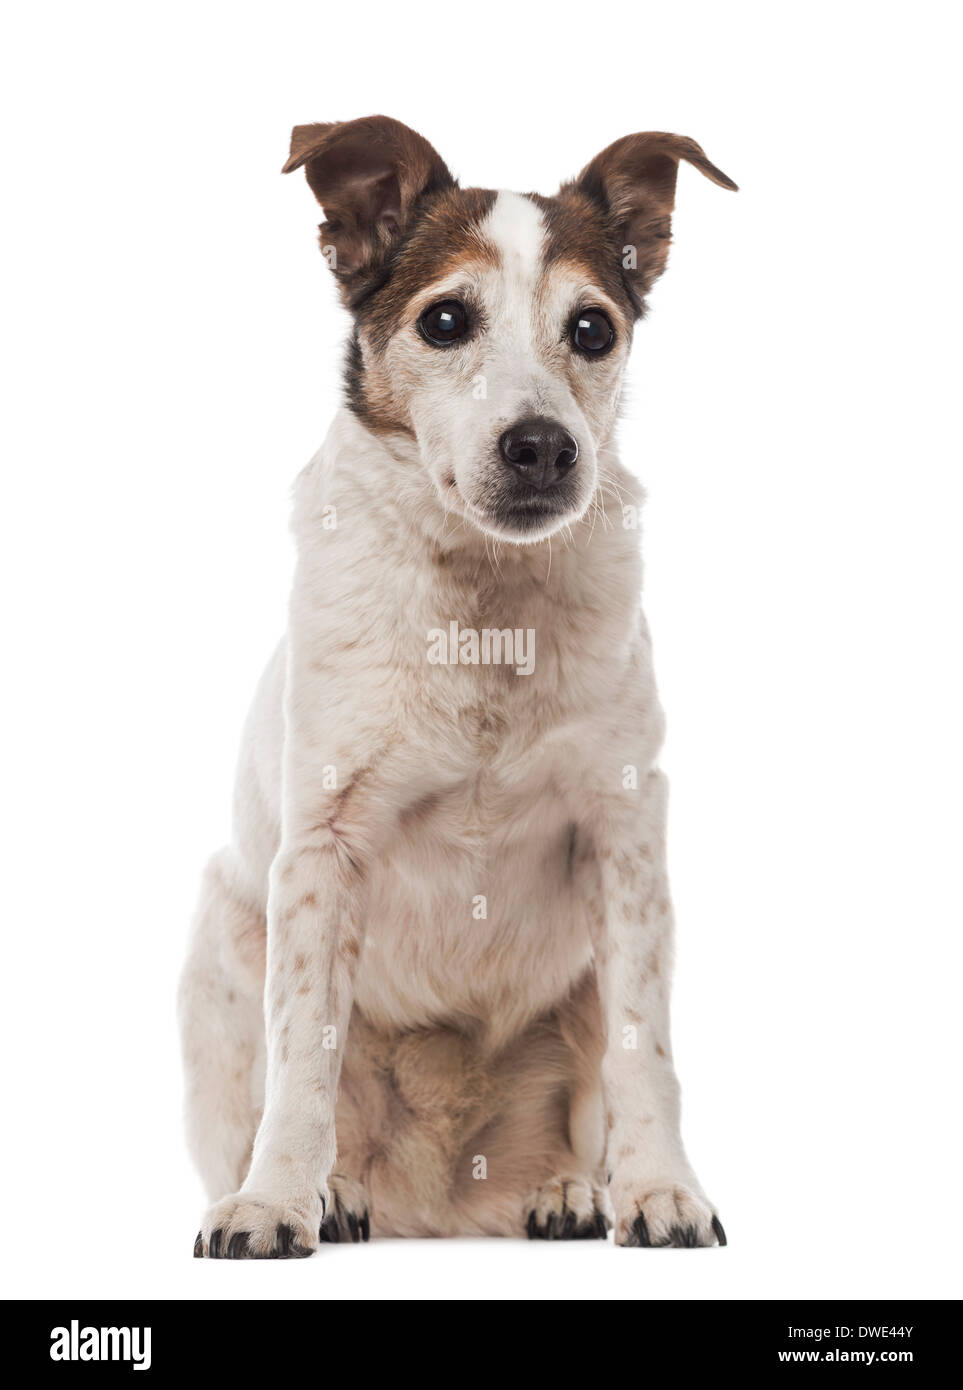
<point x="540" y="451"/>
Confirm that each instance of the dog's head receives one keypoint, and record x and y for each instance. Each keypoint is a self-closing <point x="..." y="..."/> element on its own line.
<point x="492" y="328"/>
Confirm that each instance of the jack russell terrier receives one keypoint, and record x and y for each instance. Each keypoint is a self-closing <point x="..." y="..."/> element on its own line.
<point x="427" y="990"/>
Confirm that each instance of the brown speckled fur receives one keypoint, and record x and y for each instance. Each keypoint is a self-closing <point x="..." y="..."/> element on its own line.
<point x="427" y="992"/>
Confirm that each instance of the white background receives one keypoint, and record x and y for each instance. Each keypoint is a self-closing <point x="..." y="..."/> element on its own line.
<point x="171" y="356"/>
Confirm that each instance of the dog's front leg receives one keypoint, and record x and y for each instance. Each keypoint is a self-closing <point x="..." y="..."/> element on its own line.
<point x="656" y="1196"/>
<point x="315" y="925"/>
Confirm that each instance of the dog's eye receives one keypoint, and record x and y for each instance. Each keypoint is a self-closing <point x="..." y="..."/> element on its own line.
<point x="444" y="323"/>
<point x="592" y="331"/>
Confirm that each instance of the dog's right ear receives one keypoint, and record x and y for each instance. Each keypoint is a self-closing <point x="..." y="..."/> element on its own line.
<point x="368" y="175"/>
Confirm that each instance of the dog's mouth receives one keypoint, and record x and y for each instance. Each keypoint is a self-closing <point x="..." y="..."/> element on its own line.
<point x="526" y="517"/>
<point x="534" y="511"/>
<point x="509" y="508"/>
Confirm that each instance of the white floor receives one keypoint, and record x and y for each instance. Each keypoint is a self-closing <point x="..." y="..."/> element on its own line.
<point x="798" y="1258"/>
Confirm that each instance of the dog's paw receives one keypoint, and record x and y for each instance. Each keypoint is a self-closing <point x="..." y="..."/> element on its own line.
<point x="669" y="1216"/>
<point x="256" y="1226"/>
<point x="349" y="1211"/>
<point x="568" y="1209"/>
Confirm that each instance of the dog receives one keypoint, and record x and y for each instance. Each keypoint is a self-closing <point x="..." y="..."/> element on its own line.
<point x="427" y="988"/>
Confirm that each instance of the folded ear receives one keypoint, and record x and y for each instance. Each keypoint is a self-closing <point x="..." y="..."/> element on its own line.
<point x="368" y="175"/>
<point x="634" y="182"/>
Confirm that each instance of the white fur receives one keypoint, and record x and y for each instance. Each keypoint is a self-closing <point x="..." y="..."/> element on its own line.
<point x="517" y="228"/>
<point x="459" y="406"/>
<point x="500" y="1037"/>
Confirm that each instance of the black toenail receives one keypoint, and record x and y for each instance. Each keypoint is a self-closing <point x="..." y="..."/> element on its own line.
<point x="641" y="1231"/>
<point x="238" y="1246"/>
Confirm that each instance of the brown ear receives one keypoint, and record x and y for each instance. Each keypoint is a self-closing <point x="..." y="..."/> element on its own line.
<point x="634" y="181"/>
<point x="368" y="175"/>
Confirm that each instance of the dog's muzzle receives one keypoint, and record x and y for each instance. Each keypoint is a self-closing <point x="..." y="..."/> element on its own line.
<point x="540" y="451"/>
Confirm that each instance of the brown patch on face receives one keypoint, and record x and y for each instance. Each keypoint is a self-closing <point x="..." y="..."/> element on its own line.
<point x="395" y="219"/>
<point x="368" y="399"/>
<point x="578" y="233"/>
<point x="445" y="235"/>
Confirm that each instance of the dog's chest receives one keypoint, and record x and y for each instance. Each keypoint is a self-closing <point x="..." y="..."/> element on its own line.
<point x="478" y="908"/>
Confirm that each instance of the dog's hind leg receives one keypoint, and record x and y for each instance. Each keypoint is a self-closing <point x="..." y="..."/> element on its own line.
<point x="574" y="1205"/>
<point x="222" y="1029"/>
<point x="349" y="1211"/>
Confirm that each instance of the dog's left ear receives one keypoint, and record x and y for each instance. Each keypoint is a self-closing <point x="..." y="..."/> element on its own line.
<point x="368" y="175"/>
<point x="634" y="182"/>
